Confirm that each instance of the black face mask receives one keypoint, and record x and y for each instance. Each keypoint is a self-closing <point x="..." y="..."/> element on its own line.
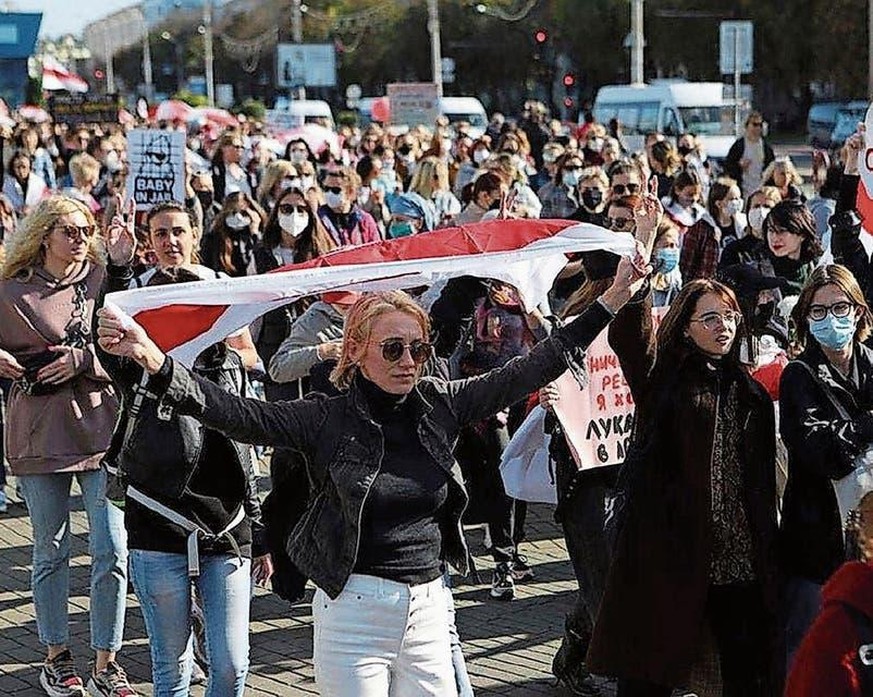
<point x="592" y="198"/>
<point x="495" y="205"/>
<point x="684" y="150"/>
<point x="206" y="198"/>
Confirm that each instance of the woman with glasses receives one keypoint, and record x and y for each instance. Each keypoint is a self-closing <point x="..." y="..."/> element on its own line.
<point x="826" y="421"/>
<point x="694" y="560"/>
<point x="228" y="175"/>
<point x="61" y="413"/>
<point x="389" y="495"/>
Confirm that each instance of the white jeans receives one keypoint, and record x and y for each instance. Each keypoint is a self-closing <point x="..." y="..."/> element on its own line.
<point x="381" y="638"/>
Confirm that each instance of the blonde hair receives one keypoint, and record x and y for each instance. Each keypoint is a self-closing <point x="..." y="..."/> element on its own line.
<point x="24" y="251"/>
<point x="274" y="172"/>
<point x="431" y="175"/>
<point x="359" y="325"/>
<point x="84" y="168"/>
<point x="785" y="163"/>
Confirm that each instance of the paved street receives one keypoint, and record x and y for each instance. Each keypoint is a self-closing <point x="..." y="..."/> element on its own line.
<point x="509" y="646"/>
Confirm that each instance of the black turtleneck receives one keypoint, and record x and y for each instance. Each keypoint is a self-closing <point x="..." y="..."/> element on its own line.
<point x="400" y="526"/>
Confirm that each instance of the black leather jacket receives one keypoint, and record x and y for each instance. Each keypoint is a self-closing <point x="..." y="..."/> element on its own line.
<point x="343" y="446"/>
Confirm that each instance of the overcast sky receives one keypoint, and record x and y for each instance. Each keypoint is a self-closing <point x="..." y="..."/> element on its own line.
<point x="69" y="16"/>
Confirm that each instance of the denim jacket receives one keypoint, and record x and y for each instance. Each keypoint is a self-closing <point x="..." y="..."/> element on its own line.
<point x="343" y="446"/>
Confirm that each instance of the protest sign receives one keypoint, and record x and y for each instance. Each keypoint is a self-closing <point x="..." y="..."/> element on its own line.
<point x="157" y="167"/>
<point x="413" y="103"/>
<point x="76" y="109"/>
<point x="598" y="421"/>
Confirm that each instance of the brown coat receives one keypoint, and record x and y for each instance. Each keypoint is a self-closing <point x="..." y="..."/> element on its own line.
<point x="651" y="619"/>
<point x="68" y="430"/>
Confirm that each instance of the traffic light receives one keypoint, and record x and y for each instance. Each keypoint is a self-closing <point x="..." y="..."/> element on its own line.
<point x="569" y="80"/>
<point x="541" y="36"/>
<point x="99" y="74"/>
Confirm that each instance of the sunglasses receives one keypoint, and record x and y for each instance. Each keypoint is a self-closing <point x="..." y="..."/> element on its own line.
<point x="334" y="189"/>
<point x="75" y="232"/>
<point x="621" y="189"/>
<point x="392" y="350"/>
<point x="289" y="208"/>
<point x="620" y="224"/>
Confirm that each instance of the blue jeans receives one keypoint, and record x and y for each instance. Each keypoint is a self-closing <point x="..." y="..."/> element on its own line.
<point x="462" y="678"/>
<point x="48" y="502"/>
<point x="163" y="587"/>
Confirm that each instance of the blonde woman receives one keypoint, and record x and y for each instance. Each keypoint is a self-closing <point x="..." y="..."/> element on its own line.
<point x="279" y="176"/>
<point x="85" y="174"/>
<point x="782" y="174"/>
<point x="386" y="516"/>
<point x="61" y="413"/>
<point x="431" y="181"/>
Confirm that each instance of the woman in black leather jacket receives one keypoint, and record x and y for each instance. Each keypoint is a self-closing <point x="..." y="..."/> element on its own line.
<point x="387" y="493"/>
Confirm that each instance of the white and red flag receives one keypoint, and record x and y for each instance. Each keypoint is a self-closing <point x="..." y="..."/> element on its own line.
<point x="56" y="77"/>
<point x="186" y="318"/>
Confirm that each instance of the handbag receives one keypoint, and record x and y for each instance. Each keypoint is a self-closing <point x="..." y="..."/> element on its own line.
<point x="850" y="489"/>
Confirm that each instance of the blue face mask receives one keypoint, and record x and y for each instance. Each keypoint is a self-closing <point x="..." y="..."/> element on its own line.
<point x="400" y="229"/>
<point x="833" y="332"/>
<point x="570" y="178"/>
<point x="667" y="258"/>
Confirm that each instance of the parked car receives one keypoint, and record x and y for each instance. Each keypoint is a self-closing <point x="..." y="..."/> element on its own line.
<point x="820" y="122"/>
<point x="846" y="122"/>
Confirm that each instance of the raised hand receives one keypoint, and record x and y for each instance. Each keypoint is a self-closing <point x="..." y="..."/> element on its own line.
<point x="853" y="148"/>
<point x="629" y="279"/>
<point x="120" y="236"/>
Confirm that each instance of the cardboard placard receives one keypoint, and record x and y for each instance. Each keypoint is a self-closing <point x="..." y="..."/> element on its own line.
<point x="76" y="109"/>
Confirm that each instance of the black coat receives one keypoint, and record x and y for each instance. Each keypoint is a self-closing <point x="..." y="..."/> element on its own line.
<point x="821" y="447"/>
<point x="735" y="154"/>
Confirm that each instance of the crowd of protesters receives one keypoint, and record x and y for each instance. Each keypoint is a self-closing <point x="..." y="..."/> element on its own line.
<point x="387" y="413"/>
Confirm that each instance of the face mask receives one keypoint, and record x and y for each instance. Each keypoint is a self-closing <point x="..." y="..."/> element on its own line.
<point x="400" y="229"/>
<point x="592" y="198"/>
<point x="667" y="258"/>
<point x="363" y="195"/>
<point x="307" y="182"/>
<point x="447" y="145"/>
<point x="757" y="217"/>
<point x="684" y="150"/>
<point x="833" y="332"/>
<point x="480" y="155"/>
<point x="570" y="178"/>
<point x="407" y="158"/>
<point x="294" y="224"/>
<point x="685" y="201"/>
<point x="333" y="200"/>
<point x="387" y="166"/>
<point x="733" y="207"/>
<point x="112" y="162"/>
<point x="297" y="157"/>
<point x="237" y="221"/>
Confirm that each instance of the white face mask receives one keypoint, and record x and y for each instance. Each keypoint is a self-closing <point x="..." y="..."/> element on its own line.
<point x="307" y="182"/>
<point x="294" y="224"/>
<point x="363" y="195"/>
<point x="733" y="206"/>
<point x="333" y="200"/>
<point x="237" y="221"/>
<point x="757" y="216"/>
<point x="297" y="157"/>
<point x="480" y="155"/>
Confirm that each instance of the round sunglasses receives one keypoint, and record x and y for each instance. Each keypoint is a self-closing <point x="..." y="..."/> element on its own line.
<point x="392" y="350"/>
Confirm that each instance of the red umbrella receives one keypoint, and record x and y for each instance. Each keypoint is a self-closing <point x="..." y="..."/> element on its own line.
<point x="318" y="138"/>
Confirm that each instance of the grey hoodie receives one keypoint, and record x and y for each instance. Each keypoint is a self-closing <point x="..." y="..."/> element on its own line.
<point x="296" y="355"/>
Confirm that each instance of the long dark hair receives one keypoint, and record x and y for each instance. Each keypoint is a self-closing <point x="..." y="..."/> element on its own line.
<point x="223" y="241"/>
<point x="793" y="215"/>
<point x="312" y="242"/>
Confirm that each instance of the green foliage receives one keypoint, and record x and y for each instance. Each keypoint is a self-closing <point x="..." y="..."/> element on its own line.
<point x="33" y="92"/>
<point x="253" y="108"/>
<point x="195" y="100"/>
<point x="347" y="118"/>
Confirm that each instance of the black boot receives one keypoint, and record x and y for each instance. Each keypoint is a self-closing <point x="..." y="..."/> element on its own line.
<point x="568" y="665"/>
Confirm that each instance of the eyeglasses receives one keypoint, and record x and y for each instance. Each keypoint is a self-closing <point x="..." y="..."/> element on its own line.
<point x="392" y="350"/>
<point x="289" y="208"/>
<point x="76" y="232"/>
<point x="621" y="189"/>
<point x="838" y="310"/>
<point x="621" y="224"/>
<point x="714" y="320"/>
<point x="334" y="189"/>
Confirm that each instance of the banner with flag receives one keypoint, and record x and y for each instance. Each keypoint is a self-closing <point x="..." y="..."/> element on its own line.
<point x="56" y="77"/>
<point x="185" y="319"/>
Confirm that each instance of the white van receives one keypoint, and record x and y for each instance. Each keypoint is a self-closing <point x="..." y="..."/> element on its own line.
<point x="295" y="113"/>
<point x="467" y="109"/>
<point x="671" y="108"/>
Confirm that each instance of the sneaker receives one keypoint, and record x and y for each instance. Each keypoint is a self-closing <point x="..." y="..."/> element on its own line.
<point x="568" y="666"/>
<point x="59" y="677"/>
<point x="521" y="572"/>
<point x="110" y="682"/>
<point x="198" y="674"/>
<point x="502" y="585"/>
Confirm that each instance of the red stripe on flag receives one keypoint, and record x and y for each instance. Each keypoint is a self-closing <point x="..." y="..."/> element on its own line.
<point x="477" y="238"/>
<point x="864" y="204"/>
<point x="173" y="325"/>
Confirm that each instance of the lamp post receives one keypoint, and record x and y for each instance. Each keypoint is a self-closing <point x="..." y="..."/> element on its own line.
<point x="147" y="76"/>
<point x="208" y="57"/>
<point x="433" y="26"/>
<point x="637" y="76"/>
